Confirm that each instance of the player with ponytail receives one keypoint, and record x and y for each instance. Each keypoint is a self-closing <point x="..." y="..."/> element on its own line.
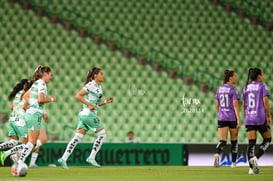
<point x="257" y="116"/>
<point x="90" y="96"/>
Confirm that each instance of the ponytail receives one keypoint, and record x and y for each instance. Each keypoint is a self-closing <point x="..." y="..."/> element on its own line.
<point x="253" y="74"/>
<point x="18" y="87"/>
<point x="250" y="70"/>
<point x="91" y="74"/>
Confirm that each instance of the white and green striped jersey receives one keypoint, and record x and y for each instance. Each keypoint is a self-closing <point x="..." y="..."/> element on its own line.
<point x="18" y="105"/>
<point x="37" y="87"/>
<point x="93" y="94"/>
<point x="15" y="103"/>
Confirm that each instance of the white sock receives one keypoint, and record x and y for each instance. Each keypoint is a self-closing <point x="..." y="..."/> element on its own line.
<point x="71" y="145"/>
<point x="97" y="144"/>
<point x="8" y="144"/>
<point x="34" y="157"/>
<point x="38" y="144"/>
<point x="14" y="149"/>
<point x="26" y="151"/>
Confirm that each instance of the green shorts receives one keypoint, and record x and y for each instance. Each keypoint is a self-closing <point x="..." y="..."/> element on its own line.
<point x="15" y="130"/>
<point x="33" y="121"/>
<point x="90" y="121"/>
<point x="43" y="124"/>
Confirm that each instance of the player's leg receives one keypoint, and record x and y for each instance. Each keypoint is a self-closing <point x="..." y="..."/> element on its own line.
<point x="9" y="144"/>
<point x="16" y="151"/>
<point x="80" y="132"/>
<point x="13" y="136"/>
<point x="251" y="135"/>
<point x="253" y="159"/>
<point x="222" y="133"/>
<point x="96" y="147"/>
<point x="21" y="132"/>
<point x="33" y="126"/>
<point x="266" y="141"/>
<point x="27" y="148"/>
<point x="42" y="139"/>
<point x="234" y="144"/>
<point x="96" y="124"/>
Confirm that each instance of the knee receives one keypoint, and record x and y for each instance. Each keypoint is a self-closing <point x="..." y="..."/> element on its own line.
<point x="14" y="142"/>
<point x="102" y="133"/>
<point x="267" y="140"/>
<point x="44" y="140"/>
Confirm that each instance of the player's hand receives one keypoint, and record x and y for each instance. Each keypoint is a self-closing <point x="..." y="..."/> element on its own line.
<point x="109" y="100"/>
<point x="53" y="98"/>
<point x="91" y="107"/>
<point x="238" y="125"/>
<point x="45" y="116"/>
<point x="268" y="121"/>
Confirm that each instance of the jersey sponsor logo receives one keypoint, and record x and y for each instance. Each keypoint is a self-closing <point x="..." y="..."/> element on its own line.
<point x="225" y="110"/>
<point x="251" y="112"/>
<point x="252" y="87"/>
<point x="224" y="89"/>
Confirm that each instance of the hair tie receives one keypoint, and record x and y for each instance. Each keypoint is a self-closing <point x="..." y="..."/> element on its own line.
<point x="39" y="66"/>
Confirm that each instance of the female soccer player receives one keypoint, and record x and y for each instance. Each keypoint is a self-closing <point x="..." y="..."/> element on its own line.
<point x="36" y="98"/>
<point x="257" y="116"/>
<point x="42" y="139"/>
<point x="227" y="106"/>
<point x="17" y="125"/>
<point x="90" y="95"/>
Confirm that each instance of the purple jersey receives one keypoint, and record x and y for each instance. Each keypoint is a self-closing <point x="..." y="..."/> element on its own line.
<point x="225" y="95"/>
<point x="254" y="108"/>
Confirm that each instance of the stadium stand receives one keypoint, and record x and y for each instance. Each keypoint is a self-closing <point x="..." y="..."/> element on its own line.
<point x="201" y="38"/>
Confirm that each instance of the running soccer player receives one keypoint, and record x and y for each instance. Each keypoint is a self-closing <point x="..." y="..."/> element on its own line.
<point x="36" y="98"/>
<point x="17" y="124"/>
<point x="90" y="95"/>
<point x="257" y="116"/>
<point x="227" y="106"/>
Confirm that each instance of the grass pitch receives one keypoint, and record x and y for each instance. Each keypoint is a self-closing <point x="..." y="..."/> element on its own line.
<point x="142" y="173"/>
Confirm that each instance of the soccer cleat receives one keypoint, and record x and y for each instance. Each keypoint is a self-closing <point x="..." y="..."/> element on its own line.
<point x="250" y="171"/>
<point x="233" y="165"/>
<point x="62" y="163"/>
<point x="3" y="157"/>
<point x="216" y="160"/>
<point x="92" y="162"/>
<point x="254" y="162"/>
<point x="33" y="166"/>
<point x="14" y="158"/>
